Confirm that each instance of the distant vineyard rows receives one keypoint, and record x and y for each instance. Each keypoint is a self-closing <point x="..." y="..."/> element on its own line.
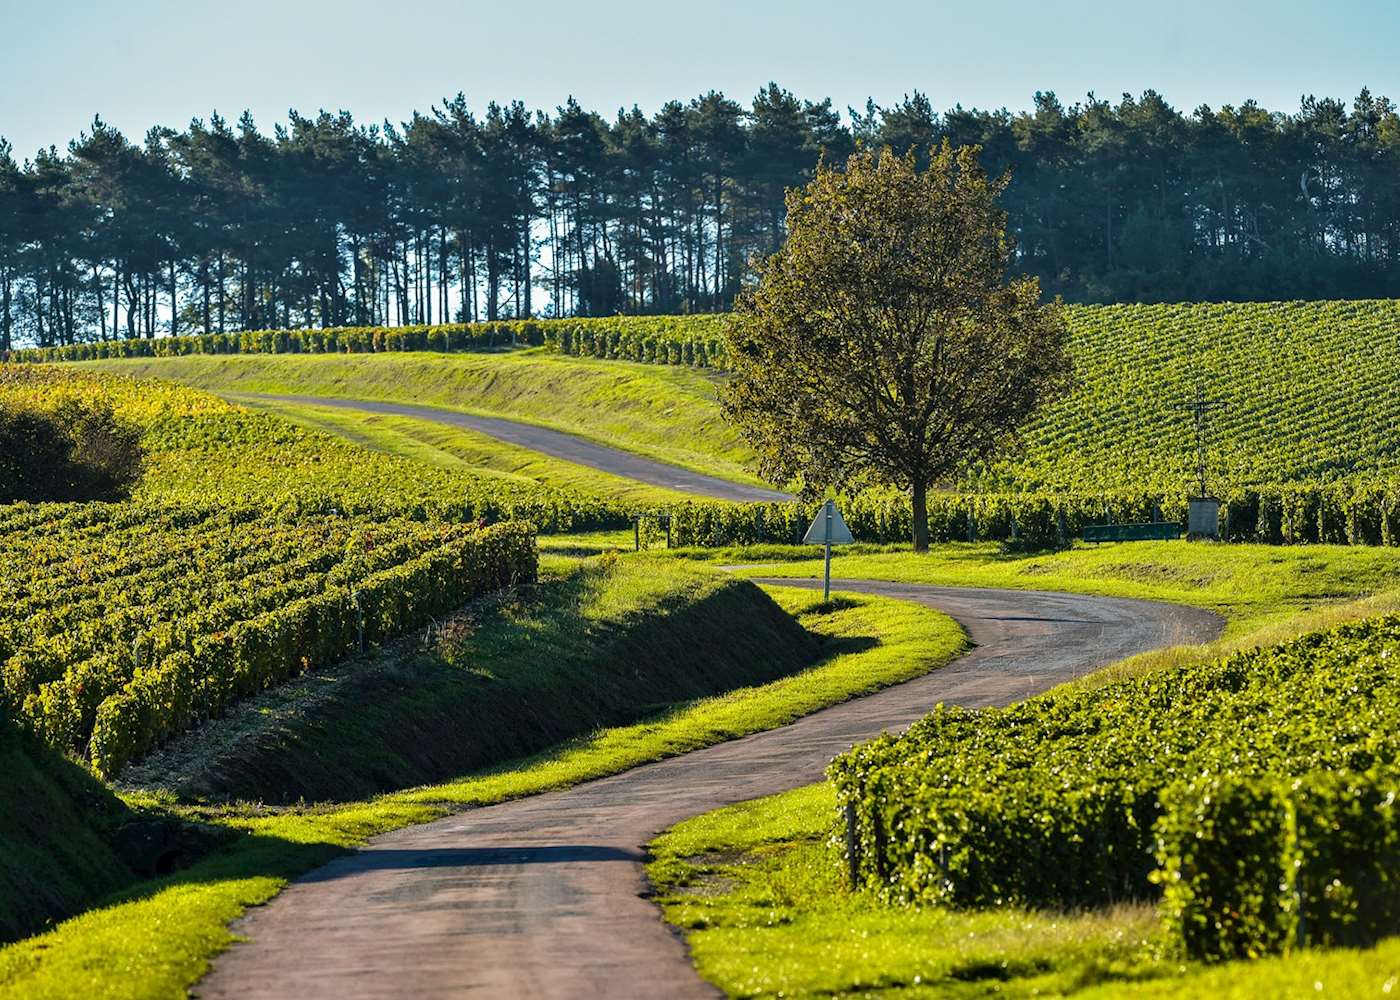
<point x="200" y="447"/>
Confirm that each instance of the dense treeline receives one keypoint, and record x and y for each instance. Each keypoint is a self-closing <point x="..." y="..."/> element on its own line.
<point x="455" y="216"/>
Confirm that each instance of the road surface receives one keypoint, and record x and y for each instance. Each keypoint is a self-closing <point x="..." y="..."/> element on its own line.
<point x="557" y="444"/>
<point x="543" y="896"/>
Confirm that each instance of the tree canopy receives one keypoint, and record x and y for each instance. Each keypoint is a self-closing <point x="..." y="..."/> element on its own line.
<point x="883" y="342"/>
<point x="464" y="214"/>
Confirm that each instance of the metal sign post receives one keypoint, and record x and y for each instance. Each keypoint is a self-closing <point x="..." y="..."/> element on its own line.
<point x="828" y="529"/>
<point x="826" y="547"/>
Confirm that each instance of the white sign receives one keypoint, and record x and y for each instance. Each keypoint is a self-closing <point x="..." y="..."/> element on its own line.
<point x="828" y="527"/>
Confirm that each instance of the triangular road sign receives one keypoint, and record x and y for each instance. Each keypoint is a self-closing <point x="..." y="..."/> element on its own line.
<point x="828" y="519"/>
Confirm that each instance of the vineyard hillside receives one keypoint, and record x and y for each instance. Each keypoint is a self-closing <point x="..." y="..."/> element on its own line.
<point x="1309" y="393"/>
<point x="1308" y="388"/>
<point x="667" y="413"/>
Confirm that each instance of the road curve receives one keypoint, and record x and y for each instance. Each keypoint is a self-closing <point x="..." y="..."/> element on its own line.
<point x="557" y="444"/>
<point x="544" y="896"/>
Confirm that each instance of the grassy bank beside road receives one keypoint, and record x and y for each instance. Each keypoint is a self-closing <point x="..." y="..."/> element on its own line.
<point x="758" y="890"/>
<point x="1250" y="585"/>
<point x="669" y="414"/>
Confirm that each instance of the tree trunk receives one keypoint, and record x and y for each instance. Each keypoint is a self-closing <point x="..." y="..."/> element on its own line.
<point x="101" y="306"/>
<point x="6" y="329"/>
<point x="204" y="282"/>
<point x="528" y="308"/>
<point x="920" y="516"/>
<point x="174" y="301"/>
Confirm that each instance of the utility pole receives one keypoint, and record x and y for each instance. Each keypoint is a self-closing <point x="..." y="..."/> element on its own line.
<point x="1198" y="409"/>
<point x="1203" y="510"/>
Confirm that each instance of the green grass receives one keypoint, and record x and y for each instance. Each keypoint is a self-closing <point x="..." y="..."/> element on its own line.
<point x="758" y="890"/>
<point x="1250" y="585"/>
<point x="667" y="413"/>
<point x="461" y="450"/>
<point x="55" y="831"/>
<point x="157" y="939"/>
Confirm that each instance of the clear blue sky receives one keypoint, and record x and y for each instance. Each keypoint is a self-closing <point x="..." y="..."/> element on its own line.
<point x="142" y="62"/>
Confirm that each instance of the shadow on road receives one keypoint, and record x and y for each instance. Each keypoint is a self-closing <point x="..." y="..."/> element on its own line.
<point x="373" y="859"/>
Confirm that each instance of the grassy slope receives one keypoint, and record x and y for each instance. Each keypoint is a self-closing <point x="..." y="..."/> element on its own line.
<point x="590" y="647"/>
<point x="1308" y="384"/>
<point x="459" y="450"/>
<point x="667" y="413"/>
<point x="55" y="854"/>
<point x="158" y="937"/>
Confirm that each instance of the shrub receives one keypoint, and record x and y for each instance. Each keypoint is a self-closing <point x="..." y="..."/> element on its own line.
<point x="69" y="449"/>
<point x="1249" y="866"/>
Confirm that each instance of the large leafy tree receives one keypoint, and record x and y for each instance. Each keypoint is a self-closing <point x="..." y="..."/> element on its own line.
<point x="885" y="341"/>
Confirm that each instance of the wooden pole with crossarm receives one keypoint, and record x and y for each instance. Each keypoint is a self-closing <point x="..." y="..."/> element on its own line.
<point x="1198" y="409"/>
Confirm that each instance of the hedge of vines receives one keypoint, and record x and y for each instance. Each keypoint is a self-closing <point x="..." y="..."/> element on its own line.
<point x="687" y="340"/>
<point x="1252" y="865"/>
<point x="122" y="624"/>
<point x="1353" y="512"/>
<point x="1258" y="790"/>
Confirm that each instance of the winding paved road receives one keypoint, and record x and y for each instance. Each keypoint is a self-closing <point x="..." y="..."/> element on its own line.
<point x="543" y="897"/>
<point x="558" y="444"/>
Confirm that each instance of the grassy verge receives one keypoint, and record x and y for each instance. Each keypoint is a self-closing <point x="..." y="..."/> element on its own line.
<point x="757" y="889"/>
<point x="667" y="413"/>
<point x="463" y="450"/>
<point x="157" y="938"/>
<point x="1250" y="585"/>
<point x="55" y="832"/>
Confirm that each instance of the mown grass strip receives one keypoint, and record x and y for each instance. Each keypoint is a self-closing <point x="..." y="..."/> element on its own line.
<point x="1250" y="585"/>
<point x="669" y="414"/>
<point x="462" y="450"/>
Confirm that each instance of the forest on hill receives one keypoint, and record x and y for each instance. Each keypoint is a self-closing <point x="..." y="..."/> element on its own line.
<point x="517" y="212"/>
